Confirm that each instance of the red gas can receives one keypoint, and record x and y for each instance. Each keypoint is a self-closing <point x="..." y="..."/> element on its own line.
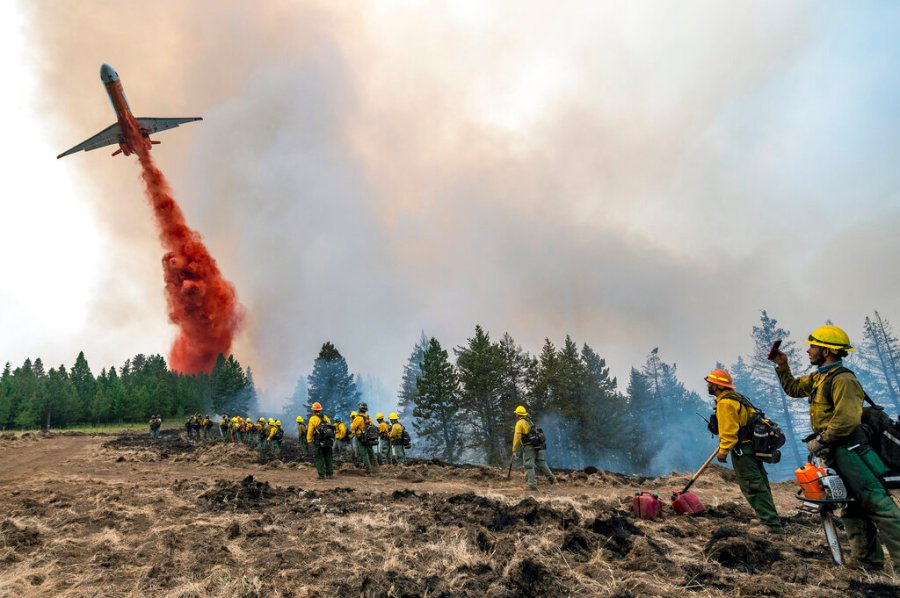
<point x="646" y="505"/>
<point x="687" y="503"/>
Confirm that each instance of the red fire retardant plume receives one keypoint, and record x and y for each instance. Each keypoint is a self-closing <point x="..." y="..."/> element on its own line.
<point x="202" y="303"/>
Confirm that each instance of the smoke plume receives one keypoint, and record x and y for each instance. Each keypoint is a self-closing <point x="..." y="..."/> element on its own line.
<point x="201" y="302"/>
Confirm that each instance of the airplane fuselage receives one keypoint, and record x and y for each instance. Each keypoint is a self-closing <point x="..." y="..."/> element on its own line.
<point x="116" y="93"/>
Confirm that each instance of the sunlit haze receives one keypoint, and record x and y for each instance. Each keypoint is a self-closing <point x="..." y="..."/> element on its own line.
<point x="635" y="175"/>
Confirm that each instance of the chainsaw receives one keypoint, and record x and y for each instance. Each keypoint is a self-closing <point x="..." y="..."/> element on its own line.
<point x="822" y="491"/>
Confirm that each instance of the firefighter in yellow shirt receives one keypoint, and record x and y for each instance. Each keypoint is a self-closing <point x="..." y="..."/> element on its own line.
<point x="395" y="437"/>
<point x="533" y="450"/>
<point x="320" y="441"/>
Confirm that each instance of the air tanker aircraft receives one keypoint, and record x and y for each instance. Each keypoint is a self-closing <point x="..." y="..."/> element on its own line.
<point x="114" y="134"/>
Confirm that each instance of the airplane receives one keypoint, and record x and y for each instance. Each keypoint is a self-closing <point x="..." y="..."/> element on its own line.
<point x="115" y="133"/>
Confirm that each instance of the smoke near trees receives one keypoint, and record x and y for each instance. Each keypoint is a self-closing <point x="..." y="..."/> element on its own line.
<point x="462" y="409"/>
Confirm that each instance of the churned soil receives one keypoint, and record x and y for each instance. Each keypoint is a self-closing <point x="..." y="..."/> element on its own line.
<point x="129" y="516"/>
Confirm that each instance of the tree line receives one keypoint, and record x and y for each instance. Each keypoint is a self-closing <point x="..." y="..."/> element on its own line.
<point x="460" y="406"/>
<point x="32" y="396"/>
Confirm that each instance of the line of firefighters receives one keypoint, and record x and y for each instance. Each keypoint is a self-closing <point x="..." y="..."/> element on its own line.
<point x="365" y="443"/>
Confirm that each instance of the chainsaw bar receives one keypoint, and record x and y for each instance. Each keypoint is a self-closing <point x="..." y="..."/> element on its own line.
<point x="831" y="538"/>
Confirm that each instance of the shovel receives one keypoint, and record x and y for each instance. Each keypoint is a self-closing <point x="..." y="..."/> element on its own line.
<point x="687" y="503"/>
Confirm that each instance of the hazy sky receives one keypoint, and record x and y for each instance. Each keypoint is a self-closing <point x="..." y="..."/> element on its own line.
<point x="633" y="174"/>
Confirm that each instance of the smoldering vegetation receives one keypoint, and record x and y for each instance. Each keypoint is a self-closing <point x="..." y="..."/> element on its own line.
<point x="173" y="518"/>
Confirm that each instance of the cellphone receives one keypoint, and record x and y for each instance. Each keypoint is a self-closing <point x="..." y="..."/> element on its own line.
<point x="774" y="350"/>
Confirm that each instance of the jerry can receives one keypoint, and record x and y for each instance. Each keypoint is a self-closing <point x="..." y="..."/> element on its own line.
<point x="687" y="503"/>
<point x="646" y="505"/>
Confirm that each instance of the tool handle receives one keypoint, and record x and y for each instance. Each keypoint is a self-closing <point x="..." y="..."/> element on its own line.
<point x="699" y="471"/>
<point x="776" y="346"/>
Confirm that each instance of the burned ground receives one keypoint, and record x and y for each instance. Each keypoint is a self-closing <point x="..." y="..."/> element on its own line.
<point x="121" y="516"/>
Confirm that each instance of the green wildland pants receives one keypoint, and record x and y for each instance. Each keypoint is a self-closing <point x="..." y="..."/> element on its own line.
<point x="324" y="464"/>
<point x="399" y="454"/>
<point x="367" y="456"/>
<point x="534" y="462"/>
<point x="384" y="451"/>
<point x="754" y="483"/>
<point x="872" y="518"/>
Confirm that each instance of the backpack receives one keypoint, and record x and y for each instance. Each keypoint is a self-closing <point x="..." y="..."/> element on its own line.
<point x="325" y="434"/>
<point x="765" y="435"/>
<point x="535" y="437"/>
<point x="405" y="439"/>
<point x="882" y="433"/>
<point x="279" y="434"/>
<point x="369" y="436"/>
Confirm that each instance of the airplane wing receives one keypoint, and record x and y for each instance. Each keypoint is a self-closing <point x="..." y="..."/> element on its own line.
<point x="155" y="125"/>
<point x="108" y="136"/>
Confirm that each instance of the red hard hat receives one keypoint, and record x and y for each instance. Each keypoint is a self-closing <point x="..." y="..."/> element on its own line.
<point x="720" y="378"/>
<point x="316" y="407"/>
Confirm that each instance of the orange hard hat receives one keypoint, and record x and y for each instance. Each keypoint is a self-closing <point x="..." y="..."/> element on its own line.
<point x="720" y="378"/>
<point x="316" y="406"/>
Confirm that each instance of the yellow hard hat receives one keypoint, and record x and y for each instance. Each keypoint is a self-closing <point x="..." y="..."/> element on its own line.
<point x="393" y="416"/>
<point x="262" y="419"/>
<point x="277" y="422"/>
<point x="379" y="416"/>
<point x="520" y="410"/>
<point x="299" y="420"/>
<point x="830" y="337"/>
<point x="271" y="421"/>
<point x="353" y="414"/>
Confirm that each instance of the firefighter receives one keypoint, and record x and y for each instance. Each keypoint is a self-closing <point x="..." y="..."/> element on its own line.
<point x="223" y="426"/>
<point x="835" y="411"/>
<point x="352" y="441"/>
<point x="236" y="429"/>
<point x="155" y="423"/>
<point x="398" y="448"/>
<point x="276" y="433"/>
<point x="533" y="450"/>
<point x="365" y="453"/>
<point x="384" y="441"/>
<point x="301" y="436"/>
<point x="734" y="437"/>
<point x="341" y="446"/>
<point x="323" y="457"/>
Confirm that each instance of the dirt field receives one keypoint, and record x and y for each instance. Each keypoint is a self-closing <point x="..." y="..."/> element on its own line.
<point x="127" y="516"/>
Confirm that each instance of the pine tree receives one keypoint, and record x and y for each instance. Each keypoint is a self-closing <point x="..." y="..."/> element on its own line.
<point x="541" y="378"/>
<point x="877" y="358"/>
<point x="516" y="369"/>
<point x="24" y="396"/>
<point x="639" y="398"/>
<point x="605" y="414"/>
<point x="768" y="394"/>
<point x="436" y="412"/>
<point x="408" y="389"/>
<point x="229" y="387"/>
<point x="85" y="386"/>
<point x="479" y="368"/>
<point x="331" y="384"/>
<point x="6" y="388"/>
<point x="252" y="395"/>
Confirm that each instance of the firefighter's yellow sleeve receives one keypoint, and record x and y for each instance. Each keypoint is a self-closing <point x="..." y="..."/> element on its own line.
<point x="728" y="414"/>
<point x="396" y="431"/>
<point x="340" y="431"/>
<point x="522" y="427"/>
<point x="794" y="387"/>
<point x="272" y="433"/>
<point x="357" y="425"/>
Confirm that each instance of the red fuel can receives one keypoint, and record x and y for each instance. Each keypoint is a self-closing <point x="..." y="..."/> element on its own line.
<point x="646" y="505"/>
<point x="687" y="503"/>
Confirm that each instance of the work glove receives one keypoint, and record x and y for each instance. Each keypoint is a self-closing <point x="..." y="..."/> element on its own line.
<point x="722" y="457"/>
<point x="816" y="446"/>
